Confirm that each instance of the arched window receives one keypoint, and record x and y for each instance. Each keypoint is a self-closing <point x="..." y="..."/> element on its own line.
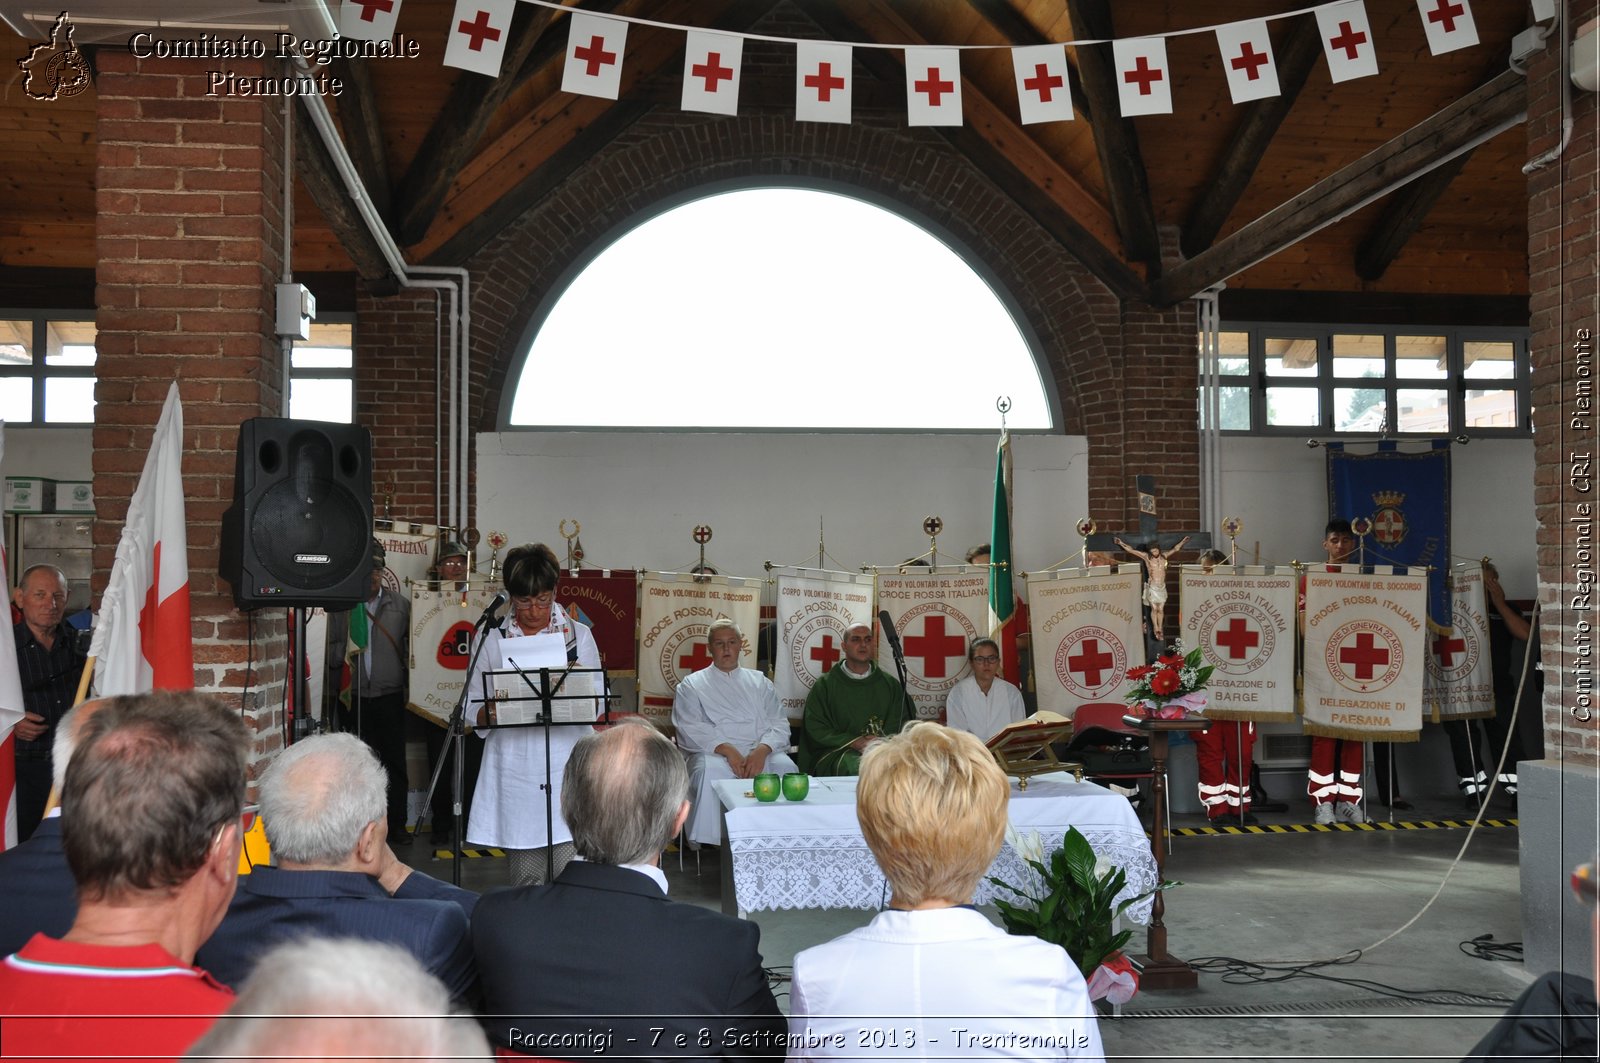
<point x="779" y="308"/>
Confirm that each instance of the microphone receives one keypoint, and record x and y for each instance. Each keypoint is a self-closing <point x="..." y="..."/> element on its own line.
<point x="492" y="614"/>
<point x="887" y="623"/>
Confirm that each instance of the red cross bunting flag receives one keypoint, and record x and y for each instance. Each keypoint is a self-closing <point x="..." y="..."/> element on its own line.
<point x="443" y="619"/>
<point x="478" y="32"/>
<point x="933" y="86"/>
<point x="1365" y="640"/>
<point x="814" y="608"/>
<point x="594" y="56"/>
<point x="1448" y="24"/>
<point x="937" y="613"/>
<point x="675" y="611"/>
<point x="368" y="20"/>
<point x="1460" y="682"/>
<point x="1246" y="51"/>
<point x="1087" y="633"/>
<point x="1347" y="40"/>
<point x="1242" y="619"/>
<point x="822" y="82"/>
<point x="1042" y="94"/>
<point x="711" y="72"/>
<point x="1144" y="81"/>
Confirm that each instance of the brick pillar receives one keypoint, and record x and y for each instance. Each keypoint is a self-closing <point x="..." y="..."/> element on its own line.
<point x="189" y="243"/>
<point x="1558" y="794"/>
<point x="402" y="400"/>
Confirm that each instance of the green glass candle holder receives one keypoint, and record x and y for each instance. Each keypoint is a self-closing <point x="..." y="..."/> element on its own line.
<point x="796" y="786"/>
<point x="766" y="786"/>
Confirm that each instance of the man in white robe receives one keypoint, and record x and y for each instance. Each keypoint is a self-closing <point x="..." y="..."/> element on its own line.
<point x="730" y="726"/>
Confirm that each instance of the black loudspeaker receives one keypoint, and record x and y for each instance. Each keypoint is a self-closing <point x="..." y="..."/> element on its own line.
<point x="299" y="532"/>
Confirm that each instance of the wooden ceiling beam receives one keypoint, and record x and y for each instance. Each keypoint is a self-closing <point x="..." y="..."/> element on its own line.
<point x="362" y="129"/>
<point x="1014" y="26"/>
<point x="1475" y="118"/>
<point x="1401" y="218"/>
<point x="455" y="132"/>
<point x="314" y="167"/>
<point x="998" y="147"/>
<point x="1116" y="141"/>
<point x="1296" y="56"/>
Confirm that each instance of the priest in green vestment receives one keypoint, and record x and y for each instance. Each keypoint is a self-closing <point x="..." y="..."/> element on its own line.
<point x="849" y="707"/>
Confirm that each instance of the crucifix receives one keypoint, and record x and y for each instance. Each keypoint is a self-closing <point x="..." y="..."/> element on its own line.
<point x="1150" y="535"/>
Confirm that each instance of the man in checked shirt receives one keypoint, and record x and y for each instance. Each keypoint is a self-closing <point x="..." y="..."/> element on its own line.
<point x="50" y="664"/>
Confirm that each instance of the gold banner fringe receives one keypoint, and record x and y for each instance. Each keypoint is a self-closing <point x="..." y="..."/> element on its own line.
<point x="1351" y="734"/>
<point x="1229" y="715"/>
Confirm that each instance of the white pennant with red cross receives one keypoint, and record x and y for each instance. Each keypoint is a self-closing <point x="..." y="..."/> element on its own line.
<point x="1246" y="51"/>
<point x="1449" y="24"/>
<point x="594" y="56"/>
<point x="1144" y="80"/>
<point x="711" y="72"/>
<point x="368" y="20"/>
<point x="1347" y="41"/>
<point x="1243" y="622"/>
<point x="1041" y="72"/>
<point x="1365" y="652"/>
<point x="822" y="82"/>
<point x="933" y="86"/>
<point x="1086" y="630"/>
<point x="478" y="33"/>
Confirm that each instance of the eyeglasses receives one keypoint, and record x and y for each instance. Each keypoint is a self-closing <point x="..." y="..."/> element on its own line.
<point x="529" y="601"/>
<point x="1583" y="884"/>
<point x="985" y="659"/>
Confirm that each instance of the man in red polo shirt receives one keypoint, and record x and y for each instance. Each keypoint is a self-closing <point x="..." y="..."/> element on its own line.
<point x="151" y="830"/>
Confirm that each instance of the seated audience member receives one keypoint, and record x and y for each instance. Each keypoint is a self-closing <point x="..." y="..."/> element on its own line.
<point x="982" y="703"/>
<point x="333" y="873"/>
<point x="932" y="805"/>
<point x="1555" y="1017"/>
<point x="603" y="949"/>
<point x="151" y="828"/>
<point x="729" y="722"/>
<point x="35" y="880"/>
<point x="853" y="705"/>
<point x="300" y="1001"/>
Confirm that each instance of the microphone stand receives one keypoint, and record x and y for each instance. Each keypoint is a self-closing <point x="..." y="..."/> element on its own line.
<point x="455" y="738"/>
<point x="908" y="708"/>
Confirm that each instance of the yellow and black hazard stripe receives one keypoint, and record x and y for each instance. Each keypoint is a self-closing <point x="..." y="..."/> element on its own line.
<point x="1219" y="831"/>
<point x="470" y="854"/>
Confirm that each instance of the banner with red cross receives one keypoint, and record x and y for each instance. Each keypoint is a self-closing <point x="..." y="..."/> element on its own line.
<point x="814" y="607"/>
<point x="442" y="623"/>
<point x="1242" y="619"/>
<point x="675" y="611"/>
<point x="937" y="614"/>
<point x="1365" y="641"/>
<point x="1087" y="632"/>
<point x="1460" y="684"/>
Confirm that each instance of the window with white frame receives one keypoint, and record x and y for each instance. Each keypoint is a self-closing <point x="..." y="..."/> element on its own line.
<point x="322" y="373"/>
<point x="1371" y="380"/>
<point x="47" y="365"/>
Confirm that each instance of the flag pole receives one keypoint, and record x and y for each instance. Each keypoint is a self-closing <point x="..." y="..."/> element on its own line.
<point x="83" y="682"/>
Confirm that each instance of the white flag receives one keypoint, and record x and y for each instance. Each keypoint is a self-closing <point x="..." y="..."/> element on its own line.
<point x="11" y="712"/>
<point x="1449" y="24"/>
<point x="1347" y="40"/>
<point x="711" y="72"/>
<point x="142" y="638"/>
<point x="933" y="86"/>
<point x="478" y="33"/>
<point x="1042" y="94"/>
<point x="1246" y="50"/>
<point x="368" y="20"/>
<point x="594" y="56"/>
<point x="1143" y="82"/>
<point x="822" y="82"/>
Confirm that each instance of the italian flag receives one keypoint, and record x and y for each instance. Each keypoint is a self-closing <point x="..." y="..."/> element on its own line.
<point x="355" y="645"/>
<point x="1002" y="600"/>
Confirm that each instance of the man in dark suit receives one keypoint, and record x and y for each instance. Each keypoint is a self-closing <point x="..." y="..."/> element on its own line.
<point x="50" y="665"/>
<point x="333" y="873"/>
<point x="600" y="962"/>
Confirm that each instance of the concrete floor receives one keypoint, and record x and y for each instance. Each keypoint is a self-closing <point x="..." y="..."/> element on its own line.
<point x="1302" y="895"/>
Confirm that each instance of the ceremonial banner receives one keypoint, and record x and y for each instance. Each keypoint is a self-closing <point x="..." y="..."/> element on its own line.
<point x="442" y="623"/>
<point x="1406" y="495"/>
<point x="937" y="615"/>
<point x="814" y="608"/>
<point x="1365" y="641"/>
<point x="1460" y="675"/>
<point x="675" y="610"/>
<point x="607" y="600"/>
<point x="1087" y="633"/>
<point x="1243" y="622"/>
<point x="408" y="556"/>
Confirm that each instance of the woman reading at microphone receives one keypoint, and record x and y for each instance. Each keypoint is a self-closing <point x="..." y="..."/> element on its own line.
<point x="508" y="803"/>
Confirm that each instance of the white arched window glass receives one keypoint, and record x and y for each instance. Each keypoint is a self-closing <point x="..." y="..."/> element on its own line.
<point x="779" y="308"/>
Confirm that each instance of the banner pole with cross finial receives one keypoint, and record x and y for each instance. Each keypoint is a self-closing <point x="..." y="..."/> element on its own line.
<point x="1231" y="527"/>
<point x="702" y="535"/>
<point x="1362" y="526"/>
<point x="933" y="526"/>
<point x="1085" y="528"/>
<point x="574" y="548"/>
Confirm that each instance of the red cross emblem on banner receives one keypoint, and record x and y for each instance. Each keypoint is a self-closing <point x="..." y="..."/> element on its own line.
<point x="1445" y="648"/>
<point x="935" y="647"/>
<point x="1091" y="662"/>
<point x="825" y="654"/>
<point x="1365" y="656"/>
<point x="697" y="658"/>
<point x="1237" y="637"/>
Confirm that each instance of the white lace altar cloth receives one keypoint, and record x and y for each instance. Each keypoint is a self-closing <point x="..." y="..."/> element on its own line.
<point x="810" y="854"/>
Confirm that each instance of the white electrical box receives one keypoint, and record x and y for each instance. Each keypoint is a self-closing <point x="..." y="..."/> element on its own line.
<point x="297" y="308"/>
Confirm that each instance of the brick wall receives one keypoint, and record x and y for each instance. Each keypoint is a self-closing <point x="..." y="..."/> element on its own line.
<point x="189" y="245"/>
<point x="1562" y="280"/>
<point x="399" y="356"/>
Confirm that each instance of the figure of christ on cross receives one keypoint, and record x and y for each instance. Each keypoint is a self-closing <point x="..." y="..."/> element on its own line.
<point x="1155" y="582"/>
